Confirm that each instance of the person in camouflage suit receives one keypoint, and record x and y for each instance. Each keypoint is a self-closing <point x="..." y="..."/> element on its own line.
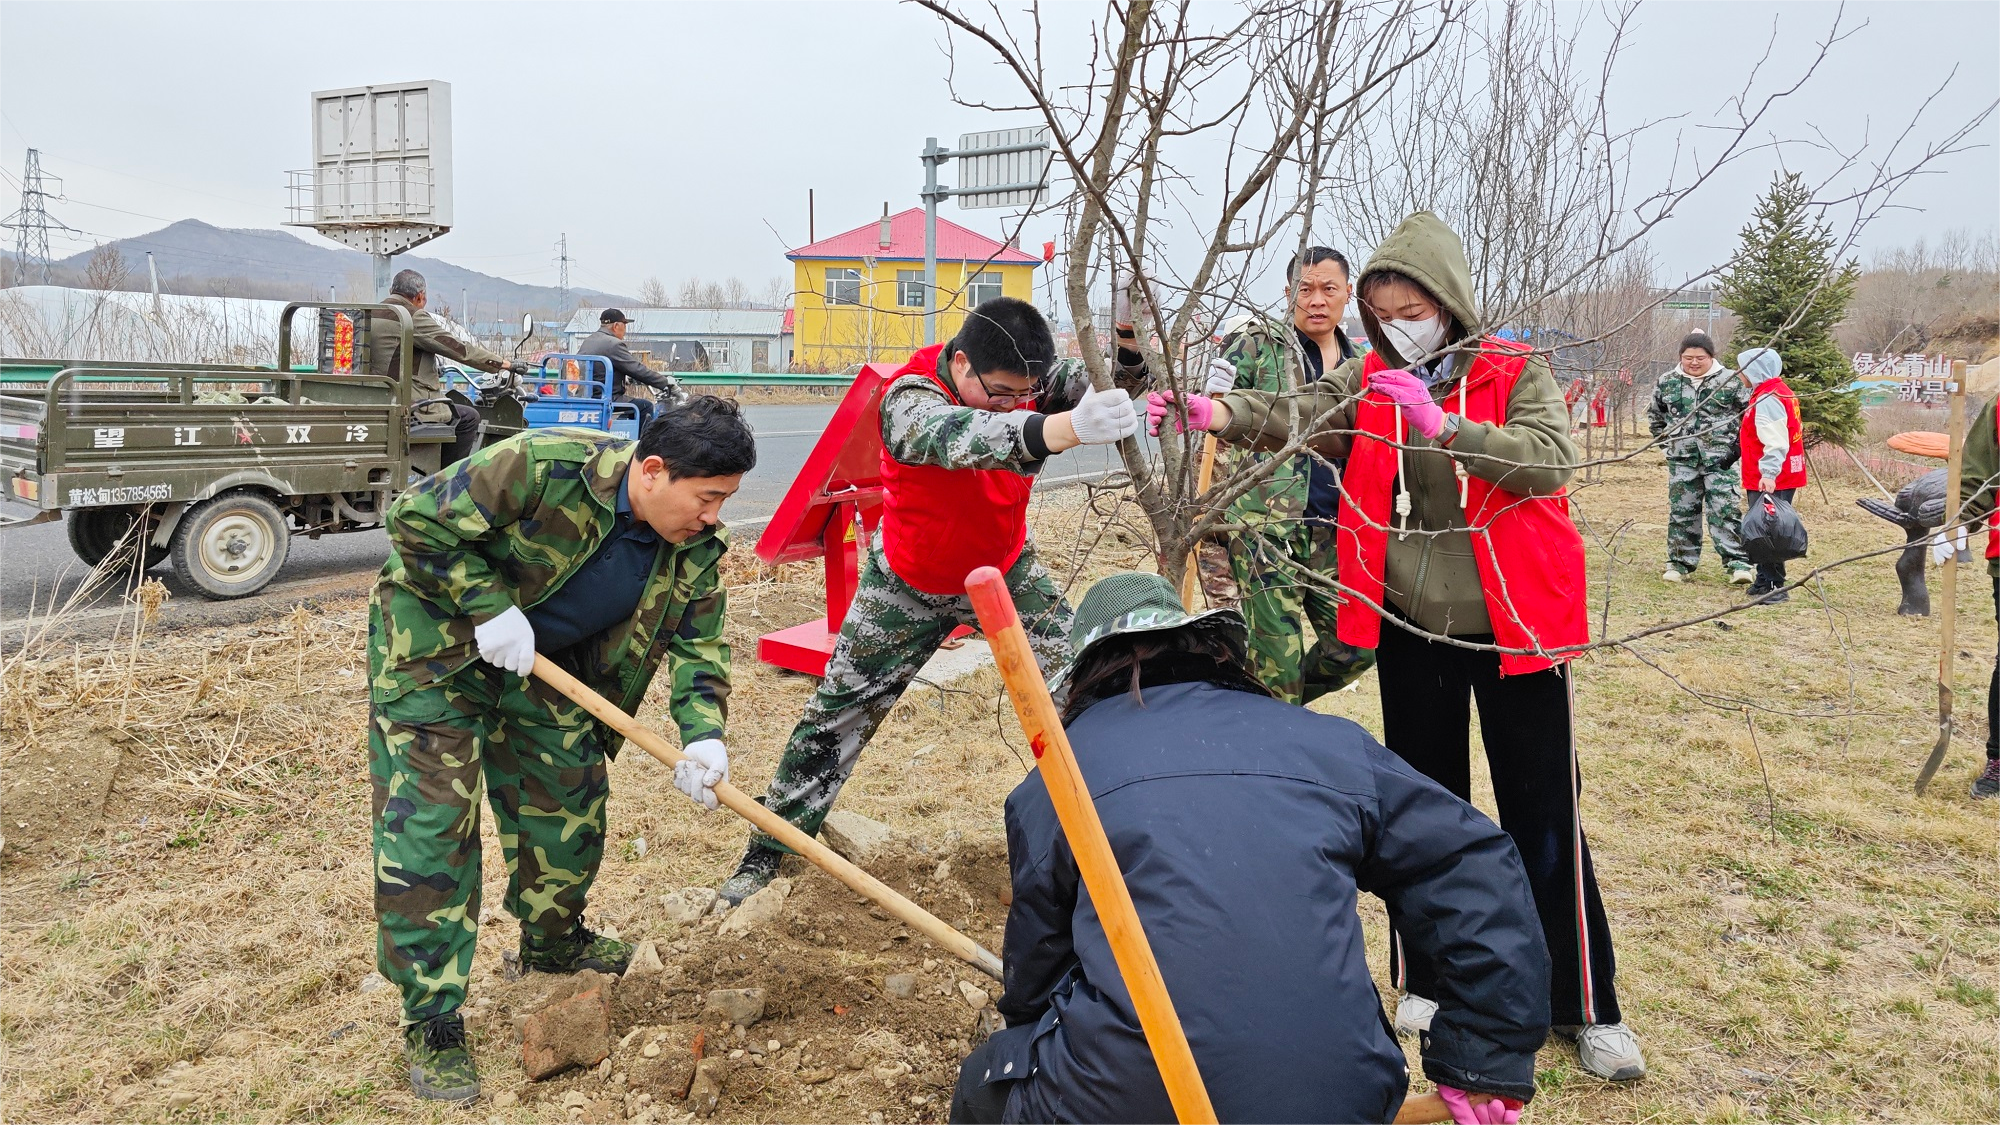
<point x="960" y="449"/>
<point x="1697" y="410"/>
<point x="602" y="553"/>
<point x="1291" y="511"/>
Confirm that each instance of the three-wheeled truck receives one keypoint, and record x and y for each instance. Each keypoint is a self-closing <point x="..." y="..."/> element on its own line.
<point x="220" y="465"/>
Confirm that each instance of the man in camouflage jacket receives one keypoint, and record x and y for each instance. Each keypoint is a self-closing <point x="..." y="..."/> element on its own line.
<point x="605" y="555"/>
<point x="1697" y="411"/>
<point x="1289" y="533"/>
<point x="988" y="408"/>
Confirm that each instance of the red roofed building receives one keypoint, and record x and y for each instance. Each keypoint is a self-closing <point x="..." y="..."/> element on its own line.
<point x="859" y="295"/>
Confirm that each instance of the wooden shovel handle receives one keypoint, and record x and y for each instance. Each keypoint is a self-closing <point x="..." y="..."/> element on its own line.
<point x="1423" y="1109"/>
<point x="821" y="856"/>
<point x="1203" y="479"/>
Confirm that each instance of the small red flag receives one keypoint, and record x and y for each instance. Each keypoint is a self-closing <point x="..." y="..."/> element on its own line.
<point x="1048" y="251"/>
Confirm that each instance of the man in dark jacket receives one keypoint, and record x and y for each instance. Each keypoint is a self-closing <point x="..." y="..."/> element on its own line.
<point x="609" y="342"/>
<point x="1246" y="828"/>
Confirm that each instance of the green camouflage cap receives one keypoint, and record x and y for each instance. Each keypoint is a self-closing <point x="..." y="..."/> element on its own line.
<point x="1134" y="602"/>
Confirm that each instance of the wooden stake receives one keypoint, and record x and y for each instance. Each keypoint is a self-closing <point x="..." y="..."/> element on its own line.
<point x="1947" y="644"/>
<point x="1192" y="575"/>
<point x="821" y="856"/>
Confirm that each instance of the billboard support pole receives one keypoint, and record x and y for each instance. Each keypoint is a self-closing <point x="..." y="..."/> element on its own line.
<point x="382" y="276"/>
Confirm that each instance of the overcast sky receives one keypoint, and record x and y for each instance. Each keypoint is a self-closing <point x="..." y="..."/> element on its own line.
<point x="680" y="140"/>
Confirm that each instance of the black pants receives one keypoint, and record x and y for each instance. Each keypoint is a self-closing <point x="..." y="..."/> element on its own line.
<point x="1993" y="688"/>
<point x="978" y="1100"/>
<point x="465" y="427"/>
<point x="643" y="405"/>
<point x="1525" y="721"/>
<point x="1771" y="576"/>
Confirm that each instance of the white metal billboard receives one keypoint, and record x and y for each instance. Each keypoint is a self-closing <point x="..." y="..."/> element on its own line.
<point x="1023" y="171"/>
<point x="381" y="173"/>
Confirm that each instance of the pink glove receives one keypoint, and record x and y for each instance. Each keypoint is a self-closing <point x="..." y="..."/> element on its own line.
<point x="1497" y="1111"/>
<point x="1200" y="411"/>
<point x="1412" y="398"/>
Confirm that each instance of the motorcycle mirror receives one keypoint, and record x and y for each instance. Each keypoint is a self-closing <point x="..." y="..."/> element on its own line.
<point x="527" y="331"/>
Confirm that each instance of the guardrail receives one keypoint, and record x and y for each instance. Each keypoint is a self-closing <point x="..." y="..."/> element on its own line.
<point x="760" y="379"/>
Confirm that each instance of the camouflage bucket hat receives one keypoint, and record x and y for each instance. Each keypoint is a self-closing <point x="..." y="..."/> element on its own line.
<point x="1133" y="602"/>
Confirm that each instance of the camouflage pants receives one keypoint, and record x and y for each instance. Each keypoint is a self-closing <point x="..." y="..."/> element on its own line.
<point x="430" y="753"/>
<point x="1278" y="605"/>
<point x="890" y="631"/>
<point x="1694" y="492"/>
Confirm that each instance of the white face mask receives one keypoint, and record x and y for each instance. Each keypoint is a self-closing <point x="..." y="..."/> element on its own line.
<point x="1415" y="339"/>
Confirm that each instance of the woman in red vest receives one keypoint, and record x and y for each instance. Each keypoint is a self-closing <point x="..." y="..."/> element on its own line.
<point x="1455" y="526"/>
<point x="1774" y="451"/>
<point x="962" y="440"/>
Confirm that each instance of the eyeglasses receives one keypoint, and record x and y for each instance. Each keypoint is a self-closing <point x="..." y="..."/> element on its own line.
<point x="1003" y="398"/>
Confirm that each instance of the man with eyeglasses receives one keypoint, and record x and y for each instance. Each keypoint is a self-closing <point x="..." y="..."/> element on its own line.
<point x="966" y="425"/>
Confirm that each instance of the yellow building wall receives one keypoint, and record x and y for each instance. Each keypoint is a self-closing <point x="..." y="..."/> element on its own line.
<point x="832" y="337"/>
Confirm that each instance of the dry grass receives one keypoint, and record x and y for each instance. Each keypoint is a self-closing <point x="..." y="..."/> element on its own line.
<point x="192" y="884"/>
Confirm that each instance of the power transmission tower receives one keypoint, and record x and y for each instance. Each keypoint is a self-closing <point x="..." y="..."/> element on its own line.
<point x="31" y="223"/>
<point x="562" y="270"/>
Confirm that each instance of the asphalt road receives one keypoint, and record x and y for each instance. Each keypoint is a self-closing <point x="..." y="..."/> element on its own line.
<point x="37" y="567"/>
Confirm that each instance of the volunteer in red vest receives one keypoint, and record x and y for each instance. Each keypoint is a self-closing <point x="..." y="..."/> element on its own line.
<point x="962" y="440"/>
<point x="1774" y="451"/>
<point x="1455" y="526"/>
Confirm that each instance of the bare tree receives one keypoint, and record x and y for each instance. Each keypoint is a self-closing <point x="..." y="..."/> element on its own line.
<point x="653" y="294"/>
<point x="1944" y="294"/>
<point x="106" y="270"/>
<point x="1240" y="128"/>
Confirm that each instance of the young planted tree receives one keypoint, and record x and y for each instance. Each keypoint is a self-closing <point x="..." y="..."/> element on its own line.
<point x="1788" y="289"/>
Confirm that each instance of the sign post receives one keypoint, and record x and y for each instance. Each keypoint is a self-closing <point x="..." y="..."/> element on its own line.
<point x="1004" y="168"/>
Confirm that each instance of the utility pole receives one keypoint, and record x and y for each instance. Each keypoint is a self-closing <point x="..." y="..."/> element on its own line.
<point x="31" y="223"/>
<point x="932" y="157"/>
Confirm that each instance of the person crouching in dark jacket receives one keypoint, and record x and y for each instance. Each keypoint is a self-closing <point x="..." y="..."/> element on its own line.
<point x="1246" y="827"/>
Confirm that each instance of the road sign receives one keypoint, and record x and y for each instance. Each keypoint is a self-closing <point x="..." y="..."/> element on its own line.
<point x="1003" y="168"/>
<point x="1685" y="305"/>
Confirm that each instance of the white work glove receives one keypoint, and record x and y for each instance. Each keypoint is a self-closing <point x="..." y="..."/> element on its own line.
<point x="703" y="766"/>
<point x="1221" y="377"/>
<point x="1104" y="417"/>
<point x="507" y="641"/>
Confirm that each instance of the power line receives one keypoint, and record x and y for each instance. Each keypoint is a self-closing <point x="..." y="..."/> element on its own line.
<point x="31" y="223"/>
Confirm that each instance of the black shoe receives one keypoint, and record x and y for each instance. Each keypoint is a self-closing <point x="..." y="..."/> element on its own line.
<point x="759" y="867"/>
<point x="440" y="1066"/>
<point x="1988" y="783"/>
<point x="581" y="948"/>
<point x="1772" y="596"/>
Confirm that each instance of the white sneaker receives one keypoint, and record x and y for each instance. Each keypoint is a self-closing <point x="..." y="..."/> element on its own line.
<point x="1608" y="1050"/>
<point x="1672" y="575"/>
<point x="1413" y="1014"/>
<point x="1742" y="576"/>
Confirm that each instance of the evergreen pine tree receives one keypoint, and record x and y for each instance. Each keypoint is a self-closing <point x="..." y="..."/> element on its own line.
<point x="1788" y="292"/>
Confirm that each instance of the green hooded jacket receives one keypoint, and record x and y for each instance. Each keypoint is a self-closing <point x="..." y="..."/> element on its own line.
<point x="1432" y="578"/>
<point x="508" y="526"/>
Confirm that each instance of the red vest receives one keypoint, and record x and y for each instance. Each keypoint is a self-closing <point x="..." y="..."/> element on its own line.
<point x="939" y="525"/>
<point x="1530" y="555"/>
<point x="1792" y="472"/>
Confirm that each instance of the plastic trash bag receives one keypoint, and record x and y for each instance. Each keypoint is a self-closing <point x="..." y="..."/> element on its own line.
<point x="1771" y="531"/>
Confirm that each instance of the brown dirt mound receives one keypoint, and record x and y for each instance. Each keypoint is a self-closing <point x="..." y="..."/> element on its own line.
<point x="846" y="1047"/>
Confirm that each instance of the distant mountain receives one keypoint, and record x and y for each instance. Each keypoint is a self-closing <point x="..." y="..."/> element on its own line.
<point x="194" y="257"/>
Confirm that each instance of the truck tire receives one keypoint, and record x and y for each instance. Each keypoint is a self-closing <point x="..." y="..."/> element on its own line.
<point x="231" y="546"/>
<point x="93" y="532"/>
